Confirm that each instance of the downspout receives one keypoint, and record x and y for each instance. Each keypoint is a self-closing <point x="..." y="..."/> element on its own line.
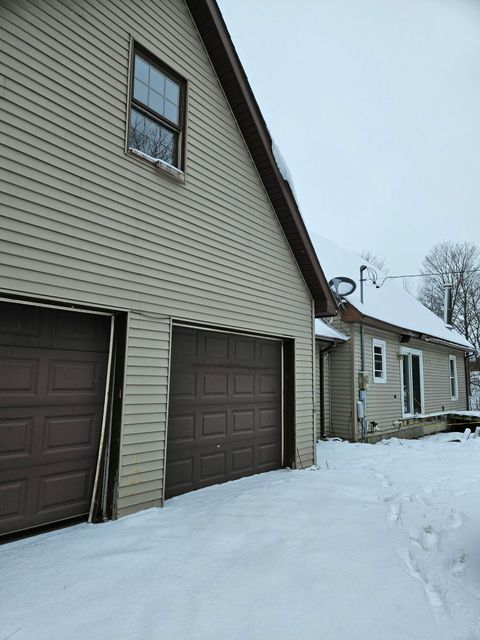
<point x="362" y="383"/>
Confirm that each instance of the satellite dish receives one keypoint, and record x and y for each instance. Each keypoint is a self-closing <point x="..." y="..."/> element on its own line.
<point x="342" y="286"/>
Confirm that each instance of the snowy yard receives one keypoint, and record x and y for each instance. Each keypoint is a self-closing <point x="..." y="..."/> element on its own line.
<point x="381" y="542"/>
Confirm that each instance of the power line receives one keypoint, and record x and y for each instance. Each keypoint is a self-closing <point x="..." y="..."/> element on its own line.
<point x="423" y="275"/>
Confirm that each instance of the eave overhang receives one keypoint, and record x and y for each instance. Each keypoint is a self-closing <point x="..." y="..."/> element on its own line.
<point x="352" y="314"/>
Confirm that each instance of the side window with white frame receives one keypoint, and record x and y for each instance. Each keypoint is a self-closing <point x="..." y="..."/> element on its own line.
<point x="452" y="368"/>
<point x="379" y="354"/>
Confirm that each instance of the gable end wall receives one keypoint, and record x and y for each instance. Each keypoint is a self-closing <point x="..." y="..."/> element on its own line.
<point x="85" y="223"/>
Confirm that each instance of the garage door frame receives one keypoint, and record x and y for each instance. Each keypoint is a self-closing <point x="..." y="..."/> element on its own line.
<point x="100" y="484"/>
<point x="287" y="408"/>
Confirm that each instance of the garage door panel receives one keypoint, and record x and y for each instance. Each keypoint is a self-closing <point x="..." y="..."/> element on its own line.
<point x="13" y="501"/>
<point x="65" y="488"/>
<point x="92" y="333"/>
<point x="231" y="427"/>
<point x="47" y="495"/>
<point x="243" y="385"/>
<point x="16" y="438"/>
<point x="18" y="376"/>
<point x="269" y="418"/>
<point x="243" y="461"/>
<point x="212" y="385"/>
<point x="268" y="454"/>
<point x="268" y="385"/>
<point x="183" y="385"/>
<point x="215" y="345"/>
<point x="181" y="477"/>
<point x="212" y="467"/>
<point x="214" y="424"/>
<point x="181" y="429"/>
<point x="39" y="376"/>
<point x="21" y="324"/>
<point x="243" y="421"/>
<point x="51" y="408"/>
<point x="48" y="434"/>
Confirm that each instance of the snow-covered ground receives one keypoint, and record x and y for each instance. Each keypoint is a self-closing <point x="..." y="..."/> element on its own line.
<point x="380" y="542"/>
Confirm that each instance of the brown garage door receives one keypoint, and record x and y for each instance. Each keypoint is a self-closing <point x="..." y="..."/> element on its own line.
<point x="225" y="413"/>
<point x="52" y="383"/>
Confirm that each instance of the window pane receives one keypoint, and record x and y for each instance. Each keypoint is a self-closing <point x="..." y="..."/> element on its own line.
<point x="172" y="91"/>
<point x="171" y="112"/>
<point x="416" y="385"/>
<point x="453" y="378"/>
<point x="141" y="69"/>
<point x="406" y="385"/>
<point x="157" y="81"/>
<point x="140" y="91"/>
<point x="155" y="101"/>
<point x="151" y="138"/>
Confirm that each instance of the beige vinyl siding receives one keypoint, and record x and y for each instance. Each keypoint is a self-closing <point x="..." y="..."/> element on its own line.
<point x="145" y="412"/>
<point x="384" y="400"/>
<point x="436" y="376"/>
<point x="86" y="223"/>
<point x="342" y="421"/>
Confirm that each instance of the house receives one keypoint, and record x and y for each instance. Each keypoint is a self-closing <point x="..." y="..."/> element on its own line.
<point x="414" y="365"/>
<point x="158" y="286"/>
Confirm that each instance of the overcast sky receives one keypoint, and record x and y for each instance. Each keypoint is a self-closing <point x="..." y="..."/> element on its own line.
<point x="375" y="105"/>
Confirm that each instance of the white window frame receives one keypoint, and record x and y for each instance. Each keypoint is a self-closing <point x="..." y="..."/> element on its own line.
<point x="454" y="378"/>
<point x="383" y="346"/>
<point x="406" y="351"/>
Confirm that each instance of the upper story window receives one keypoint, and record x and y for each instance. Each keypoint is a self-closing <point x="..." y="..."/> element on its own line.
<point x="156" y="111"/>
<point x="452" y="364"/>
<point x="379" y="348"/>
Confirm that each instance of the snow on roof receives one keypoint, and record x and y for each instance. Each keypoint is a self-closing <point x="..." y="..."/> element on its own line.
<point x="283" y="167"/>
<point x="388" y="303"/>
<point x="324" y="330"/>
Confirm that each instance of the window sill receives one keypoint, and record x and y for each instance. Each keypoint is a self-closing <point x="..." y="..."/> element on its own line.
<point x="379" y="381"/>
<point x="161" y="165"/>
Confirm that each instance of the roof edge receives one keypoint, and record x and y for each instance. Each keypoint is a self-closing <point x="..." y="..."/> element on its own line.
<point x="220" y="48"/>
<point x="357" y="316"/>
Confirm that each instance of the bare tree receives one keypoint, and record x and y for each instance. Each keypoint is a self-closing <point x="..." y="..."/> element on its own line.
<point x="409" y="287"/>
<point x="374" y="260"/>
<point x="457" y="264"/>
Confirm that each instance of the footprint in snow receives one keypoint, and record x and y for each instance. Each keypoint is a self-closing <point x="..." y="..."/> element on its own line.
<point x="459" y="565"/>
<point x="434" y="595"/>
<point x="429" y="538"/>
<point x="456" y="519"/>
<point x="395" y="513"/>
<point x="384" y="481"/>
<point x="433" y="592"/>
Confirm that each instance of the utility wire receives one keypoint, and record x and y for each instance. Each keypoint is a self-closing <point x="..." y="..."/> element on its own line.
<point x="423" y="275"/>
